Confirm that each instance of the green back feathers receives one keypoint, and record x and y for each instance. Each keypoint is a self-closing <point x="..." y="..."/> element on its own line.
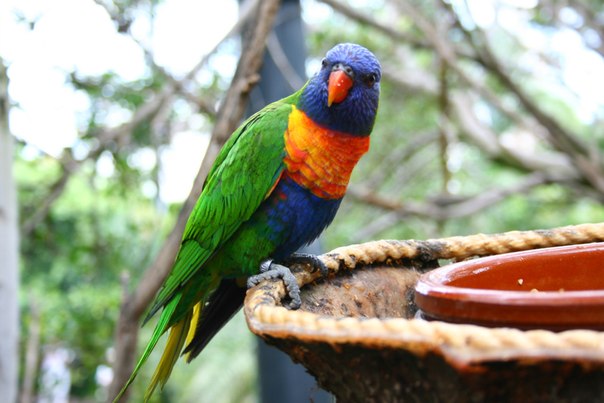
<point x="245" y="170"/>
<point x="244" y="173"/>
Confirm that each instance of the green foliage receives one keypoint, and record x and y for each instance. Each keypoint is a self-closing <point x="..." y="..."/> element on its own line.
<point x="72" y="262"/>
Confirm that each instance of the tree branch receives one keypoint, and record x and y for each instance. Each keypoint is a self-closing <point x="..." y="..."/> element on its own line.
<point x="585" y="157"/>
<point x="144" y="113"/>
<point x="276" y="52"/>
<point x="586" y="162"/>
<point x="442" y="208"/>
<point x="228" y="118"/>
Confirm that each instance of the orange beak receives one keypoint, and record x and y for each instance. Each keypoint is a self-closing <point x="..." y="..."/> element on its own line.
<point x="338" y="86"/>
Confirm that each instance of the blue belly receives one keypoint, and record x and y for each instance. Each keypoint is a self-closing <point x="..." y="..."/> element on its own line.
<point x="287" y="220"/>
<point x="296" y="216"/>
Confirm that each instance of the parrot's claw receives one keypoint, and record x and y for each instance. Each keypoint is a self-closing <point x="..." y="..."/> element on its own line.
<point x="265" y="266"/>
<point x="270" y="270"/>
<point x="307" y="258"/>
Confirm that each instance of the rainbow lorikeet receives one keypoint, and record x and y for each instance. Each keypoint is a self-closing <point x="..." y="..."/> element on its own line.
<point x="276" y="184"/>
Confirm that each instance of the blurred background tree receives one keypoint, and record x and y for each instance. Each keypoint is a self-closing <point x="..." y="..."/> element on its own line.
<point x="491" y="119"/>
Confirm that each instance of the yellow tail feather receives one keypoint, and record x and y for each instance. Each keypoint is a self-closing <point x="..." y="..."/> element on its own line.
<point x="193" y="326"/>
<point x="174" y="345"/>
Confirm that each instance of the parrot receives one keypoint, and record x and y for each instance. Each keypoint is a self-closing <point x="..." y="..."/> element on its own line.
<point x="276" y="184"/>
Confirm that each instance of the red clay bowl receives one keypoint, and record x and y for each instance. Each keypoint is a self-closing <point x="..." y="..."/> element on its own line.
<point x="553" y="288"/>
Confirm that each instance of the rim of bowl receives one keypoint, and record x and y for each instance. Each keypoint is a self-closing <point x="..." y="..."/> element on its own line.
<point x="465" y="304"/>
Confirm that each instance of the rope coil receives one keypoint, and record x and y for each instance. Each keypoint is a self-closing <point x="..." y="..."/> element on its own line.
<point x="459" y="343"/>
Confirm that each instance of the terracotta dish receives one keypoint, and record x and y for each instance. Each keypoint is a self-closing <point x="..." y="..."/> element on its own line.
<point x="555" y="288"/>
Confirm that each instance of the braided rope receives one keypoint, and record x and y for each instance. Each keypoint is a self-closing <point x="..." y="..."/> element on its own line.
<point x="460" y="343"/>
<point x="461" y="247"/>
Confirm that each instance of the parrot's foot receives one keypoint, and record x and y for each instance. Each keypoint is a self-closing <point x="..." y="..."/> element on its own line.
<point x="270" y="270"/>
<point x="307" y="258"/>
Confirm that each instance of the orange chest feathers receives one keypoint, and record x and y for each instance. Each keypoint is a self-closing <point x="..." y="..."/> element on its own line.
<point x="319" y="159"/>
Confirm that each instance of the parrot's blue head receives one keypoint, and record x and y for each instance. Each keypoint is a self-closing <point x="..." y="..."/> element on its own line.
<point x="344" y="94"/>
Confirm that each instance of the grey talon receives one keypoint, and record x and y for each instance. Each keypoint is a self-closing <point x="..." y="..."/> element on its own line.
<point x="272" y="270"/>
<point x="312" y="260"/>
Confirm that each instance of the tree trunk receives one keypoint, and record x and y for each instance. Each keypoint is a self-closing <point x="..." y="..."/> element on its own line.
<point x="9" y="250"/>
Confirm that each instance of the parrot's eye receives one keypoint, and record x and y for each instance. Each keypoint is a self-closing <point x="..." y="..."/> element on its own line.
<point x="370" y="79"/>
<point x="324" y="63"/>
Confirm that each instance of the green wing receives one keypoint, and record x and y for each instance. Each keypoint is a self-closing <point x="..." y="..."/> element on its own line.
<point x="245" y="171"/>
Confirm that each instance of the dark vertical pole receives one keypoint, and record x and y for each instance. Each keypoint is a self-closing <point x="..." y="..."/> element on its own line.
<point x="283" y="72"/>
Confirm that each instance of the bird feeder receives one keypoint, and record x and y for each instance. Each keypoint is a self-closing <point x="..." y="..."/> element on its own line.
<point x="360" y="333"/>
